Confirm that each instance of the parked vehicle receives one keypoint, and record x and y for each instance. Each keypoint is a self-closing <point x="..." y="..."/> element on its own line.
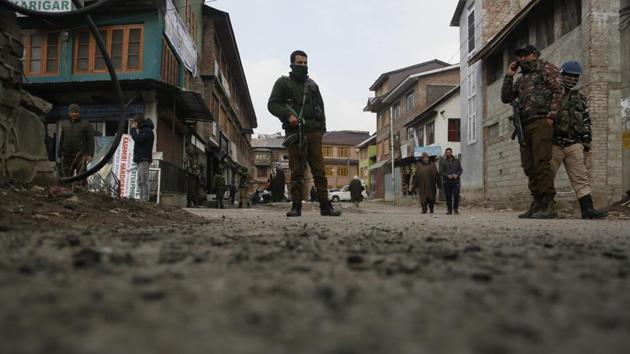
<point x="343" y="195"/>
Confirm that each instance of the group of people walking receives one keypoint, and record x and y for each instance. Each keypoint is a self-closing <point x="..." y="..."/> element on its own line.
<point x="427" y="181"/>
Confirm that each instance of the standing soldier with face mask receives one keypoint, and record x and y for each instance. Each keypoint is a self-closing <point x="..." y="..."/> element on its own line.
<point x="538" y="94"/>
<point x="572" y="139"/>
<point x="297" y="102"/>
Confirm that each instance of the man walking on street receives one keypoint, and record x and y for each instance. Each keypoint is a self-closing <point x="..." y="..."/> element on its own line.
<point x="428" y="181"/>
<point x="219" y="187"/>
<point x="451" y="170"/>
<point x="572" y="139"/>
<point x="143" y="137"/>
<point x="76" y="143"/>
<point x="538" y="94"/>
<point x="297" y="102"/>
<point x="356" y="191"/>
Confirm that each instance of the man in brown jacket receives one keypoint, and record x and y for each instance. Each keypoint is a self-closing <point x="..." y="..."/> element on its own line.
<point x="427" y="181"/>
<point x="76" y="143"/>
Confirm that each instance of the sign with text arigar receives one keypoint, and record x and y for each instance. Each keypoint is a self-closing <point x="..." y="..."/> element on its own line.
<point x="45" y="5"/>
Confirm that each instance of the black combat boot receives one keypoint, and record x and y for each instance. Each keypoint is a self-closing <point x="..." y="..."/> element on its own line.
<point x="326" y="209"/>
<point x="535" y="207"/>
<point x="296" y="209"/>
<point x="588" y="211"/>
<point x="431" y="207"/>
<point x="547" y="210"/>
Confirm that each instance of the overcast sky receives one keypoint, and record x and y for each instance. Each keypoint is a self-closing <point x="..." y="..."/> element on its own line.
<point x="349" y="43"/>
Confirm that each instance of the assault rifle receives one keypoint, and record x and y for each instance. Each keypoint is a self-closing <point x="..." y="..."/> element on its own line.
<point x="298" y="137"/>
<point x="516" y="122"/>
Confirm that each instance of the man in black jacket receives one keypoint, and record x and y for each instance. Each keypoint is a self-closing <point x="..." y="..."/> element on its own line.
<point x="451" y="170"/>
<point x="296" y="101"/>
<point x="142" y="134"/>
<point x="76" y="143"/>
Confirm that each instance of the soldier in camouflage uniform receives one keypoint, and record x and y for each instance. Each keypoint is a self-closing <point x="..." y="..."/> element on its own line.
<point x="191" y="165"/>
<point x="572" y="138"/>
<point x="293" y="98"/>
<point x="243" y="188"/>
<point x="538" y="93"/>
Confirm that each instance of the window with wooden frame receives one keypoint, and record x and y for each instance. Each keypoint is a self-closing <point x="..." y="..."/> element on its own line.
<point x="344" y="152"/>
<point x="170" y="65"/>
<point x="327" y="151"/>
<point x="410" y="101"/>
<point x="431" y="133"/>
<point x="191" y="20"/>
<point x="330" y="171"/>
<point x="454" y="125"/>
<point x="41" y="53"/>
<point x="420" y="135"/>
<point x="343" y="171"/>
<point x="124" y="45"/>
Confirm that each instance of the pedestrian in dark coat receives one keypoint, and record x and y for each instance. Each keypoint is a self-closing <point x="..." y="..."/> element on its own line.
<point x="356" y="191"/>
<point x="76" y="143"/>
<point x="451" y="170"/>
<point x="143" y="137"/>
<point x="427" y="181"/>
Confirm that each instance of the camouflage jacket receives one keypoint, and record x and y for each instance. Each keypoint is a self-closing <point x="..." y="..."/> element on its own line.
<point x="219" y="182"/>
<point x="191" y="163"/>
<point x="287" y="95"/>
<point x="573" y="123"/>
<point x="539" y="93"/>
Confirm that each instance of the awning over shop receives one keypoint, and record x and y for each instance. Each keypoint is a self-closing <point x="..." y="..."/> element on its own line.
<point x="194" y="106"/>
<point x="378" y="164"/>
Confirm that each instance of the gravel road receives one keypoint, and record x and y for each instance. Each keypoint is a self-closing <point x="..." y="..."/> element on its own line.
<point x="376" y="280"/>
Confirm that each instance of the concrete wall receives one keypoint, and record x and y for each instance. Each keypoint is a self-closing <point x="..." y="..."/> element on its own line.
<point x="625" y="89"/>
<point x="471" y="150"/>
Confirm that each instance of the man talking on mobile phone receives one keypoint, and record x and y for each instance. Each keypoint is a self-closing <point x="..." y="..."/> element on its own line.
<point x="538" y="93"/>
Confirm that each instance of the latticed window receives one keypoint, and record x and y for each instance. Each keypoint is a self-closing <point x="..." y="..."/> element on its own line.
<point x="124" y="45"/>
<point x="327" y="151"/>
<point x="343" y="171"/>
<point x="453" y="129"/>
<point x="41" y="54"/>
<point x="344" y="152"/>
<point x="170" y="65"/>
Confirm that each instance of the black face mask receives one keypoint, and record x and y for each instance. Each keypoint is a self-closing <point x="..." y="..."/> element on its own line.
<point x="528" y="66"/>
<point x="299" y="72"/>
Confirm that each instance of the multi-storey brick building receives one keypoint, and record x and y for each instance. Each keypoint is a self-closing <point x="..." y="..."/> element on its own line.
<point x="155" y="49"/>
<point x="401" y="95"/>
<point x="588" y="31"/>
<point x="227" y="95"/>
<point x="341" y="157"/>
<point x="269" y="153"/>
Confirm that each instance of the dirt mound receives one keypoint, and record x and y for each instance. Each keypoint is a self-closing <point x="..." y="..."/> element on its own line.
<point x="33" y="208"/>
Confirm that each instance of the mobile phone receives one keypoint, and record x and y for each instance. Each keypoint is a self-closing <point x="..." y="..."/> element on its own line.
<point x="515" y="66"/>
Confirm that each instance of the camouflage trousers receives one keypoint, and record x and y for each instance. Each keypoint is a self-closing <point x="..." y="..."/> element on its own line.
<point x="315" y="160"/>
